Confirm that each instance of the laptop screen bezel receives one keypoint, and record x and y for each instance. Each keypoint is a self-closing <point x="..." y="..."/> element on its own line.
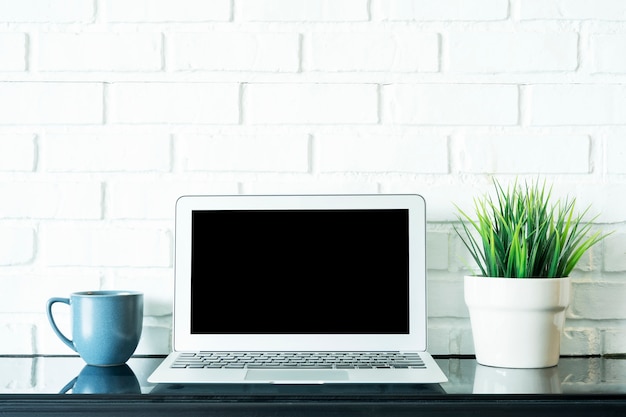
<point x="184" y="340"/>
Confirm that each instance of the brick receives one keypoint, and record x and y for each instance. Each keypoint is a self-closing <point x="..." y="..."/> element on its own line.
<point x="50" y="200"/>
<point x="607" y="52"/>
<point x="106" y="153"/>
<point x="446" y="298"/>
<point x="310" y="103"/>
<point x="101" y="245"/>
<point x="156" y="284"/>
<point x="573" y="9"/>
<point x="140" y="199"/>
<point x="445" y="10"/>
<point x="301" y="10"/>
<point x="99" y="52"/>
<point x="167" y="11"/>
<point x="245" y="153"/>
<point x="17" y="152"/>
<point x="577" y="104"/>
<point x="450" y="104"/>
<point x="46" y="11"/>
<point x="437" y="250"/>
<point x="512" y="51"/>
<point x="17" y="375"/>
<point x="32" y="291"/>
<point x="615" y="154"/>
<point x="173" y="103"/>
<point x="580" y="341"/>
<point x="340" y="153"/>
<point x="599" y="300"/>
<point x="234" y="51"/>
<point x="50" y="103"/>
<point x="17" y="245"/>
<point x="310" y="186"/>
<point x="615" y="253"/>
<point x="387" y="51"/>
<point x="12" y="51"/>
<point x="518" y="154"/>
<point x="615" y="342"/>
<point x="16" y="336"/>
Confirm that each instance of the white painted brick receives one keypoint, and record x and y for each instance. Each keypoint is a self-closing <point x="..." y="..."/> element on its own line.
<point x="446" y="299"/>
<point x="450" y="104"/>
<point x="245" y="153"/>
<point x="16" y="336"/>
<point x="369" y="153"/>
<point x="580" y="341"/>
<point x="440" y="10"/>
<point x="310" y="103"/>
<point x="301" y="10"/>
<point x="604" y="200"/>
<point x="615" y="154"/>
<point x="30" y="292"/>
<point x="45" y="11"/>
<point x="167" y="11"/>
<point x="12" y="51"/>
<point x="577" y="104"/>
<point x="157" y="286"/>
<point x="50" y="103"/>
<point x="524" y="154"/>
<point x="615" y="341"/>
<point x="154" y="340"/>
<point x="106" y="153"/>
<point x="599" y="300"/>
<point x="387" y="51"/>
<point x="512" y="51"/>
<point x="440" y="197"/>
<point x="234" y="51"/>
<point x="311" y="186"/>
<point x="69" y="244"/>
<point x="608" y="53"/>
<point x="615" y="253"/>
<point x="99" y="52"/>
<point x="173" y="103"/>
<point x="137" y="199"/>
<point x="17" y="375"/>
<point x="17" y="152"/>
<point x="17" y="245"/>
<point x="437" y="250"/>
<point x="573" y="9"/>
<point x="50" y="200"/>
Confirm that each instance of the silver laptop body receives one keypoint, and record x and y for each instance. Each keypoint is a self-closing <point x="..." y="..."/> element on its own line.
<point x="300" y="289"/>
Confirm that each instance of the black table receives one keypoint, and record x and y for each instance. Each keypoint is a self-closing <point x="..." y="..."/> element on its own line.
<point x="65" y="386"/>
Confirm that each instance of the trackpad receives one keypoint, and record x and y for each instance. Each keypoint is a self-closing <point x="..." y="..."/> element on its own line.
<point x="296" y="375"/>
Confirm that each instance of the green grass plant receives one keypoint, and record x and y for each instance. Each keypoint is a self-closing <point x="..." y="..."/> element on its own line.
<point x="521" y="233"/>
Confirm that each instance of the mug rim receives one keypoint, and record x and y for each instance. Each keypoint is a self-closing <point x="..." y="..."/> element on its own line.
<point x="106" y="293"/>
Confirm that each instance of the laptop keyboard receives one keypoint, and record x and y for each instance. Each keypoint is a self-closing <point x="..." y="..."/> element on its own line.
<point x="299" y="360"/>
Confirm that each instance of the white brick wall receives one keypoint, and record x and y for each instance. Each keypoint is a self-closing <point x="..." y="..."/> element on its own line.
<point x="112" y="109"/>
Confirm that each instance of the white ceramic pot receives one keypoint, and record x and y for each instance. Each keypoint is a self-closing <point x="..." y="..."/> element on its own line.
<point x="517" y="322"/>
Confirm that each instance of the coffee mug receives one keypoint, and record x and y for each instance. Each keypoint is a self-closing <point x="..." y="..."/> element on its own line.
<point x="106" y="325"/>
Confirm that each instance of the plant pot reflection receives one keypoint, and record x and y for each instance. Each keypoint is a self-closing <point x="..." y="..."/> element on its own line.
<point x="491" y="380"/>
<point x="104" y="380"/>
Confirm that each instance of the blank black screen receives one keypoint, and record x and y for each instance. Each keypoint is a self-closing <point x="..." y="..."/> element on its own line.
<point x="300" y="272"/>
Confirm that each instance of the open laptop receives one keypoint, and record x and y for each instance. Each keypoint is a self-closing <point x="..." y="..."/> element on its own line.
<point x="300" y="289"/>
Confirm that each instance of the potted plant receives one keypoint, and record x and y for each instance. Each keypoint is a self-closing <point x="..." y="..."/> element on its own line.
<point x="525" y="246"/>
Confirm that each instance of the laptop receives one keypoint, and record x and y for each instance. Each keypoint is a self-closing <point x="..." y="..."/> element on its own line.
<point x="299" y="289"/>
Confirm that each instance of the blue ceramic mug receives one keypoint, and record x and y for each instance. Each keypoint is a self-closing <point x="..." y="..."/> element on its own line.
<point x="106" y="325"/>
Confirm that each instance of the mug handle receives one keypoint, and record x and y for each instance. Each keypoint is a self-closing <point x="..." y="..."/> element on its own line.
<point x="54" y="325"/>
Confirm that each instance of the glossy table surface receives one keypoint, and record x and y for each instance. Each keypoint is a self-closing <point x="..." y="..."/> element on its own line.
<point x="65" y="385"/>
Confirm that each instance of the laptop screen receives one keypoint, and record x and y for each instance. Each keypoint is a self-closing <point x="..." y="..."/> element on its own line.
<point x="299" y="271"/>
